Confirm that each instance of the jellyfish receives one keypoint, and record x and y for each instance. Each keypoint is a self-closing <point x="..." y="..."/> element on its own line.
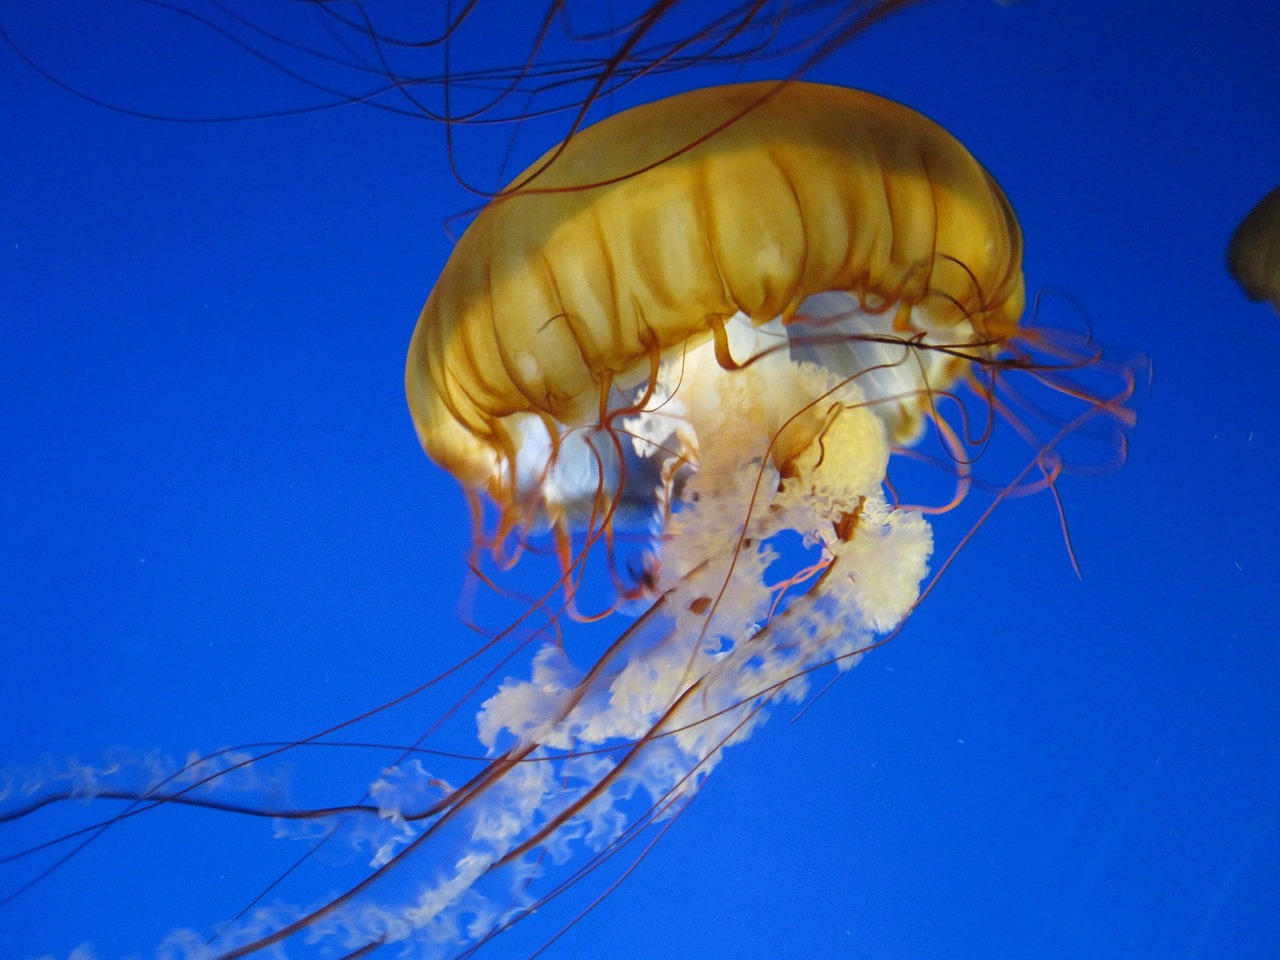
<point x="678" y="356"/>
<point x="1253" y="254"/>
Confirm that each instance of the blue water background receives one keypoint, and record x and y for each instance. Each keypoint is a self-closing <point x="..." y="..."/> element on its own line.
<point x="216" y="524"/>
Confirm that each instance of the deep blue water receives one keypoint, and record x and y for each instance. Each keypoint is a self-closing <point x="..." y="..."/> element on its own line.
<point x="216" y="524"/>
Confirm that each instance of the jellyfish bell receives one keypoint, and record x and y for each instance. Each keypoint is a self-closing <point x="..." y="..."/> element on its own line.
<point x="1253" y="254"/>
<point x="823" y="222"/>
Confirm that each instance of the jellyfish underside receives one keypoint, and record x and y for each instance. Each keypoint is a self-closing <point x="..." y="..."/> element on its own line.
<point x="721" y="461"/>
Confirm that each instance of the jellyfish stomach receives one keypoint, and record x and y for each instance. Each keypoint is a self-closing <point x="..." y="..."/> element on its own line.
<point x="775" y="553"/>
